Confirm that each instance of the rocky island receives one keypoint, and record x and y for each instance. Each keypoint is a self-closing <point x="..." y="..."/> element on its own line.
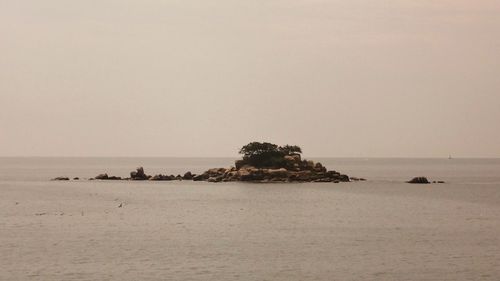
<point x="261" y="162"/>
<point x="267" y="162"/>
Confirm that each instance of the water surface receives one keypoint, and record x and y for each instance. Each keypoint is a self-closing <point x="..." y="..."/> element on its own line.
<point x="382" y="229"/>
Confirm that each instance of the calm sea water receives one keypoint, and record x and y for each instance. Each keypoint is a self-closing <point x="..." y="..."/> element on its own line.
<point x="382" y="229"/>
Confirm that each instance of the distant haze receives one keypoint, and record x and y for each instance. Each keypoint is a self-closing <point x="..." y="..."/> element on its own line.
<point x="202" y="78"/>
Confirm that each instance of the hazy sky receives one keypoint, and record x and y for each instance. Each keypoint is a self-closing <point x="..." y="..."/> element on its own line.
<point x="201" y="78"/>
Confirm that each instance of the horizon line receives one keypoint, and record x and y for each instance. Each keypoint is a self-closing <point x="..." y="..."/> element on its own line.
<point x="235" y="157"/>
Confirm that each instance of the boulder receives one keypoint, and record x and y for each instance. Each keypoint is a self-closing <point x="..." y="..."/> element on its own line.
<point x="161" y="177"/>
<point x="292" y="160"/>
<point x="188" y="176"/>
<point x="308" y="165"/>
<point x="343" y="178"/>
<point x="303" y="176"/>
<point x="318" y="167"/>
<point x="139" y="174"/>
<point x="251" y="174"/>
<point x="215" y="179"/>
<point x="281" y="173"/>
<point x="419" y="180"/>
<point x="61" y="179"/>
<point x="106" y="177"/>
<point x="102" y="177"/>
<point x="199" y="177"/>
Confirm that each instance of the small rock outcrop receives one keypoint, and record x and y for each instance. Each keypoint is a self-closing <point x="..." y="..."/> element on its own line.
<point x="106" y="177"/>
<point x="161" y="177"/>
<point x="61" y="179"/>
<point x="188" y="176"/>
<point x="419" y="180"/>
<point x="102" y="177"/>
<point x="139" y="174"/>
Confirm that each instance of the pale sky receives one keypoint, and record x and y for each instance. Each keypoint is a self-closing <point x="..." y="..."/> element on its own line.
<point x="345" y="78"/>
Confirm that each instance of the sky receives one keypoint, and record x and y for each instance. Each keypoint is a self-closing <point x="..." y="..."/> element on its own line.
<point x="357" y="78"/>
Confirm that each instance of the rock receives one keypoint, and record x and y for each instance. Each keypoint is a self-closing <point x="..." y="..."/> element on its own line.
<point x="198" y="178"/>
<point x="187" y="176"/>
<point x="294" y="170"/>
<point x="215" y="179"/>
<point x="301" y="176"/>
<point x="419" y="180"/>
<point x="161" y="177"/>
<point x="276" y="173"/>
<point x="308" y="165"/>
<point x="102" y="177"/>
<point x="106" y="177"/>
<point x="324" y="180"/>
<point x="76" y="178"/>
<point x="292" y="161"/>
<point x="296" y="157"/>
<point x="251" y="174"/>
<point x="343" y="178"/>
<point x="318" y="167"/>
<point x="61" y="179"/>
<point x="440" y="182"/>
<point x="139" y="174"/>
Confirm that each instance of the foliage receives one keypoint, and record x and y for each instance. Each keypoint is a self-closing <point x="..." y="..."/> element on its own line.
<point x="265" y="154"/>
<point x="290" y="149"/>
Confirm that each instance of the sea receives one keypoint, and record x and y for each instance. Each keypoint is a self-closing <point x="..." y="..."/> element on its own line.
<point x="379" y="229"/>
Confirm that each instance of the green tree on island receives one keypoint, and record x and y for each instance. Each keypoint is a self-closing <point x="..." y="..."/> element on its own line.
<point x="290" y="149"/>
<point x="265" y="154"/>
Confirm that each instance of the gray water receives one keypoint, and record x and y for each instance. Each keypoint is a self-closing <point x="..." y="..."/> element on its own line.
<point x="382" y="229"/>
